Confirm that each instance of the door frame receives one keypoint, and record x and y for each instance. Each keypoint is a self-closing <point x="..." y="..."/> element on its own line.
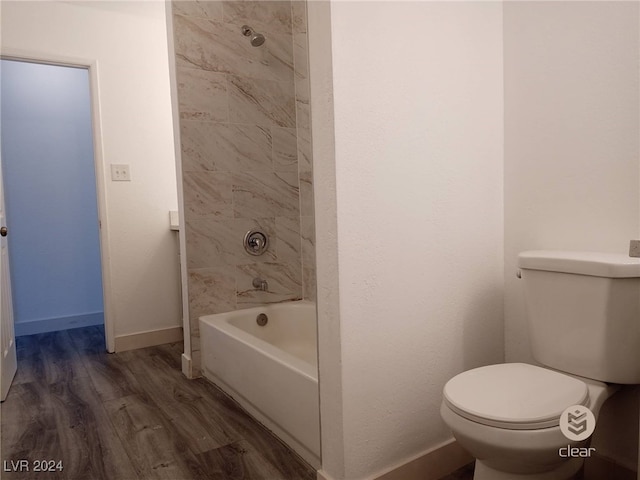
<point x="8" y="356"/>
<point x="98" y="159"/>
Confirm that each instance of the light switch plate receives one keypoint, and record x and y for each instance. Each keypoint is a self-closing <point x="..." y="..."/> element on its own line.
<point x="120" y="173"/>
<point x="634" y="248"/>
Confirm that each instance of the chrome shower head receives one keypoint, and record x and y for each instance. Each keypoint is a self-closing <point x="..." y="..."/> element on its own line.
<point x="257" y="39"/>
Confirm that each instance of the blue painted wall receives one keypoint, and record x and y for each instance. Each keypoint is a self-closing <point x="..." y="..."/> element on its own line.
<point x="50" y="189"/>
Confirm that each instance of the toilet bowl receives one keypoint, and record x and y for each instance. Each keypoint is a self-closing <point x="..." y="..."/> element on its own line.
<point x="507" y="417"/>
<point x="583" y="315"/>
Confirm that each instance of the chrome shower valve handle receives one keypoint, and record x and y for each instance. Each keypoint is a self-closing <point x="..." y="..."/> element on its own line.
<point x="255" y="242"/>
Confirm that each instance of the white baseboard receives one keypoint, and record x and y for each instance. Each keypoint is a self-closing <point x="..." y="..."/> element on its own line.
<point x="186" y="366"/>
<point x="32" y="327"/>
<point x="449" y="457"/>
<point x="430" y="465"/>
<point x="148" y="339"/>
<point x="433" y="464"/>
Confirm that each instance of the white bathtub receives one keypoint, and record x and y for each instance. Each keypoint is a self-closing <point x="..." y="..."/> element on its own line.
<point x="272" y="371"/>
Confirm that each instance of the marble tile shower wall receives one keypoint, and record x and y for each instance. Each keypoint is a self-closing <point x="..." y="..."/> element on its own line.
<point x="305" y="164"/>
<point x="246" y="153"/>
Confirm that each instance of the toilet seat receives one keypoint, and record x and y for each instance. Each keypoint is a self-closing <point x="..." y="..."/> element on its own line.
<point x="514" y="396"/>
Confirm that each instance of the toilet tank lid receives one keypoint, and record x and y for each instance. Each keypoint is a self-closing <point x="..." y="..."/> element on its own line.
<point x="598" y="264"/>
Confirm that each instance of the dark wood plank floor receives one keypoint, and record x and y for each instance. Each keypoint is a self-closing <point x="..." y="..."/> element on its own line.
<point x="126" y="416"/>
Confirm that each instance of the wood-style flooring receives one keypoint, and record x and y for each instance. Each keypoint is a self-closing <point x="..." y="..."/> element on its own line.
<point x="130" y="415"/>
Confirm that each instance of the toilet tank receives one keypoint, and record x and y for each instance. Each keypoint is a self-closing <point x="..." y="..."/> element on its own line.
<point x="583" y="312"/>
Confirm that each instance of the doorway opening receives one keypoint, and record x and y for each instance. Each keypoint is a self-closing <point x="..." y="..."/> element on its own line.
<point x="51" y="196"/>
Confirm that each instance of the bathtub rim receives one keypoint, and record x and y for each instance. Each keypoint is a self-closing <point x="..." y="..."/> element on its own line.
<point x="221" y="322"/>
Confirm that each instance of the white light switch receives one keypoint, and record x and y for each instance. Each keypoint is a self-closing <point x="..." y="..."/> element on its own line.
<point x="120" y="173"/>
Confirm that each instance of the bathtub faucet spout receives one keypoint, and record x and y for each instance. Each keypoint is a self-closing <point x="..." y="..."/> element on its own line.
<point x="260" y="284"/>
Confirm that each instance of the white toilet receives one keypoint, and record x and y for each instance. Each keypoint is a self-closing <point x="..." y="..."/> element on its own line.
<point x="583" y="312"/>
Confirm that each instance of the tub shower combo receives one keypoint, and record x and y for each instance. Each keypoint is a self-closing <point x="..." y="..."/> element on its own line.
<point x="243" y="98"/>
<point x="266" y="359"/>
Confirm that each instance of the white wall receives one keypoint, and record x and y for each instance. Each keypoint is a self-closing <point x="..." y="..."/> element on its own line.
<point x="417" y="101"/>
<point x="571" y="135"/>
<point x="572" y="168"/>
<point x="129" y="42"/>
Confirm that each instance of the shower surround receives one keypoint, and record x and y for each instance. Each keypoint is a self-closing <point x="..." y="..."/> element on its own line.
<point x="246" y="154"/>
